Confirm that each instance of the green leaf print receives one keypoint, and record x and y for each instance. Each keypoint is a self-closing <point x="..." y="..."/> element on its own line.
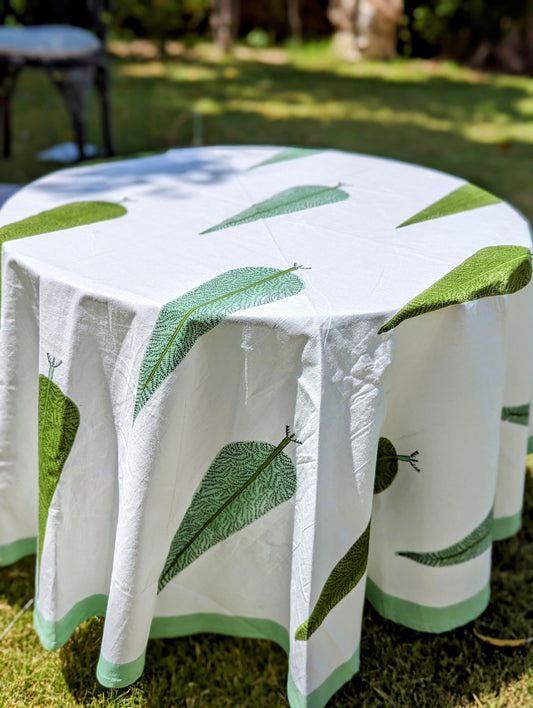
<point x="470" y="547"/>
<point x="495" y="270"/>
<point x="63" y="217"/>
<point x="464" y="198"/>
<point x="516" y="414"/>
<point x="387" y="464"/>
<point x="59" y="420"/>
<point x="182" y="321"/>
<point x="291" y="153"/>
<point x="245" y="481"/>
<point x="286" y="202"/>
<point x="342" y="580"/>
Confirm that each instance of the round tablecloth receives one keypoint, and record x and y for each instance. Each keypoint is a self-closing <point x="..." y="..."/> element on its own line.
<point x="242" y="389"/>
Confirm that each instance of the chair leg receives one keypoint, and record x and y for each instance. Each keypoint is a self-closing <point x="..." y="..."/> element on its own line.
<point x="6" y="126"/>
<point x="75" y="85"/>
<point x="8" y="77"/>
<point x="102" y="86"/>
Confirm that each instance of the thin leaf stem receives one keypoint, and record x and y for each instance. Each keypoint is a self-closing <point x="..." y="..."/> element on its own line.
<point x="52" y="364"/>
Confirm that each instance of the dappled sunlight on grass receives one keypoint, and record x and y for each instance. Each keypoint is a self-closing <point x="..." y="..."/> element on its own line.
<point x="524" y="106"/>
<point x="472" y="124"/>
<point x="151" y="69"/>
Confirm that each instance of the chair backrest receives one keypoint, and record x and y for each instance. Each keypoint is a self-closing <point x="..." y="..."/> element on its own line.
<point x="80" y="13"/>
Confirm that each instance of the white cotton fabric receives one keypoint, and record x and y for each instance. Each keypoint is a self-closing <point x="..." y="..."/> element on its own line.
<point x="90" y="296"/>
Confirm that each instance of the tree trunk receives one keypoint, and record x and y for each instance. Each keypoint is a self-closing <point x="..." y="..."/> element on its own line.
<point x="366" y="29"/>
<point x="295" y="21"/>
<point x="514" y="52"/>
<point x="224" y="21"/>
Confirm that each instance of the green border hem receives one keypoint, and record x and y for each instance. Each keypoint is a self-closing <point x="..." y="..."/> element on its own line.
<point x="54" y="635"/>
<point x="13" y="552"/>
<point x="248" y="627"/>
<point x="321" y="695"/>
<point x="119" y="675"/>
<point x="506" y="526"/>
<point x="424" y="618"/>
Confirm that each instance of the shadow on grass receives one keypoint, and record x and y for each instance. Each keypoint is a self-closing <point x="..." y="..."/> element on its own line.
<point x="17" y="582"/>
<point x="399" y="667"/>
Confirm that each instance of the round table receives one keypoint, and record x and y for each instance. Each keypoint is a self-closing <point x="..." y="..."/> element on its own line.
<point x="244" y="388"/>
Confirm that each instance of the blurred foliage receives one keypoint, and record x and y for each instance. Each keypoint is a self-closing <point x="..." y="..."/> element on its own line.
<point x="271" y="15"/>
<point x="427" y="28"/>
<point x="457" y="26"/>
<point x="160" y="19"/>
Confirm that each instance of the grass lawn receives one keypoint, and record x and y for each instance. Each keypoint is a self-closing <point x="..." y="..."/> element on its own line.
<point x="474" y="125"/>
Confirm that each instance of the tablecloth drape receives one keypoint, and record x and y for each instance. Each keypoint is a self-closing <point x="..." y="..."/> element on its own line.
<point x="242" y="389"/>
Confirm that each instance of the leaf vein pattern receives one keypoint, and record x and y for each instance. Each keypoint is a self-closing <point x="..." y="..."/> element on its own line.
<point x="183" y="321"/>
<point x="342" y="580"/>
<point x="245" y="481"/>
<point x="473" y="545"/>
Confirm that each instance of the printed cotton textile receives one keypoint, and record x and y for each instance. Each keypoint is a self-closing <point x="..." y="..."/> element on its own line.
<point x="243" y="388"/>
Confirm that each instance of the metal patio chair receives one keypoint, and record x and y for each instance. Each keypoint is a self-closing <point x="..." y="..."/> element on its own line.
<point x="65" y="38"/>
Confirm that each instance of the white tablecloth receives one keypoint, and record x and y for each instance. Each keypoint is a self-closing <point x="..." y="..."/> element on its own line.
<point x="225" y="397"/>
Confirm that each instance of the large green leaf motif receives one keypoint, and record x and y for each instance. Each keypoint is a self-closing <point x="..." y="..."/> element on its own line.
<point x="495" y="270"/>
<point x="244" y="482"/>
<point x="291" y="153"/>
<point x="464" y="198"/>
<point x="342" y="580"/>
<point x="66" y="216"/>
<point x="59" y="420"/>
<point x="387" y="464"/>
<point x="286" y="202"/>
<point x="516" y="414"/>
<point x="469" y="547"/>
<point x="182" y="321"/>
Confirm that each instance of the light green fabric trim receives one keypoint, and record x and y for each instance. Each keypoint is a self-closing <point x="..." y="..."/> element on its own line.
<point x="321" y="695"/>
<point x="250" y="627"/>
<point x="17" y="550"/>
<point x="53" y="635"/>
<point x="506" y="526"/>
<point x="119" y="675"/>
<point x="422" y="617"/>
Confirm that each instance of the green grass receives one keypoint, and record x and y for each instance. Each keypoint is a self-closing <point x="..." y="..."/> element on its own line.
<point x="399" y="667"/>
<point x="477" y="126"/>
<point x="474" y="125"/>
